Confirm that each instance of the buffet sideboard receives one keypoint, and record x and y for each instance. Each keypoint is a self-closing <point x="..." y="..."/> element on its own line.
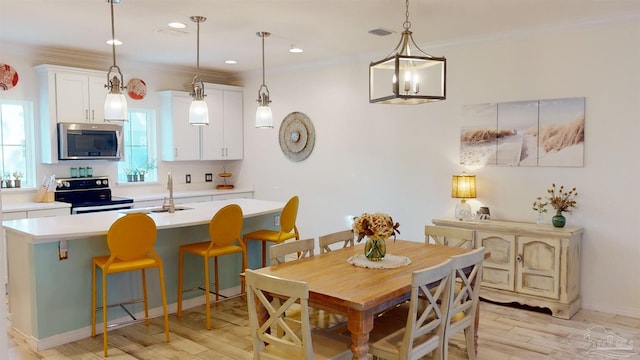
<point x="530" y="264"/>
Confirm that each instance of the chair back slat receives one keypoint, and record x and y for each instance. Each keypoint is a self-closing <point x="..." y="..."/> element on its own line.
<point x="277" y="296"/>
<point x="301" y="248"/>
<point x="345" y="237"/>
<point x="449" y="236"/>
<point x="427" y="311"/>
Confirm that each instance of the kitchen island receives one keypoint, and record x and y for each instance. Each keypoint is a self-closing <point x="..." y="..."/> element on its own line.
<point x="50" y="296"/>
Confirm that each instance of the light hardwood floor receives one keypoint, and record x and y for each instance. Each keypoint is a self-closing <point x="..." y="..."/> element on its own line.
<point x="504" y="333"/>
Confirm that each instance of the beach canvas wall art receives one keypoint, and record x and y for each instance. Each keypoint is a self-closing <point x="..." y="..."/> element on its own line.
<point x="523" y="133"/>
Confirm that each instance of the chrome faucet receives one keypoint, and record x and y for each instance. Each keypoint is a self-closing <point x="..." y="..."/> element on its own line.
<point x="170" y="206"/>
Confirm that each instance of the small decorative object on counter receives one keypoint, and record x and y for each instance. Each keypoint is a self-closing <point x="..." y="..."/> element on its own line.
<point x="562" y="201"/>
<point x="540" y="207"/>
<point x="82" y="171"/>
<point x="6" y="180"/>
<point x="17" y="178"/>
<point x="141" y="173"/>
<point x="74" y="172"/>
<point x="224" y="175"/>
<point x="89" y="171"/>
<point x="377" y="228"/>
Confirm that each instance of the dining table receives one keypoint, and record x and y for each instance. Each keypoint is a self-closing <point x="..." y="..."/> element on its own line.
<point x="359" y="293"/>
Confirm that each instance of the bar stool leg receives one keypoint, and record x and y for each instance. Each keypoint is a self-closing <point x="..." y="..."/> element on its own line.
<point x="180" y="282"/>
<point x="206" y="289"/>
<point x="146" y="300"/>
<point x="93" y="300"/>
<point x="104" y="312"/>
<point x="215" y="260"/>
<point x="164" y="303"/>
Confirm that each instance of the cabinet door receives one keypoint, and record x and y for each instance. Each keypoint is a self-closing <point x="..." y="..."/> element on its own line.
<point x="97" y="96"/>
<point x="180" y="141"/>
<point x="499" y="269"/>
<point x="233" y="139"/>
<point x="72" y="97"/>
<point x="538" y="266"/>
<point x="212" y="134"/>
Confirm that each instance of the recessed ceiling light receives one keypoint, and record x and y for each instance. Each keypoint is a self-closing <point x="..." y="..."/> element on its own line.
<point x="230" y="62"/>
<point x="115" y="42"/>
<point x="177" y="25"/>
<point x="294" y="49"/>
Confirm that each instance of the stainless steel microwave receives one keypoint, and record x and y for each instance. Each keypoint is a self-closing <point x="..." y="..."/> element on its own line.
<point x="86" y="141"/>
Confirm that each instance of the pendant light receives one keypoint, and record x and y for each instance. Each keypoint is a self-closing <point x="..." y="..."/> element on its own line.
<point x="198" y="111"/>
<point x="407" y="75"/>
<point x="115" y="105"/>
<point x="264" y="117"/>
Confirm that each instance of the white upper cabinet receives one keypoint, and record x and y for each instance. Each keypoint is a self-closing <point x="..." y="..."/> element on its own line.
<point x="68" y="95"/>
<point x="222" y="139"/>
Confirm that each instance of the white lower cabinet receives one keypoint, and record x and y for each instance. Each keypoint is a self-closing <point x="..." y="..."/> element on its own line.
<point x="530" y="264"/>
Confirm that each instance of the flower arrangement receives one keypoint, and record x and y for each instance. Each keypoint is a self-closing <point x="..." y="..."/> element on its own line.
<point x="562" y="200"/>
<point x="375" y="226"/>
<point x="539" y="206"/>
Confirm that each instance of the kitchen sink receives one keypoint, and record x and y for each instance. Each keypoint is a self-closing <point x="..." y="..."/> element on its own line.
<point x="153" y="210"/>
<point x="164" y="210"/>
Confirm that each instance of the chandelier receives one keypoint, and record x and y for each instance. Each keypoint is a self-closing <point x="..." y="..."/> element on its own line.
<point x="115" y="105"/>
<point x="407" y="75"/>
<point x="198" y="111"/>
<point x="264" y="117"/>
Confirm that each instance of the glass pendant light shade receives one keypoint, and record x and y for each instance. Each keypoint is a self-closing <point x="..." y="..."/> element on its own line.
<point x="115" y="107"/>
<point x="264" y="116"/>
<point x="407" y="75"/>
<point x="198" y="110"/>
<point x="115" y="104"/>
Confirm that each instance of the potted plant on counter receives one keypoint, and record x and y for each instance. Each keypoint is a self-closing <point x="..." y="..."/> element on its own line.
<point x="17" y="178"/>
<point x="6" y="180"/>
<point x="141" y="172"/>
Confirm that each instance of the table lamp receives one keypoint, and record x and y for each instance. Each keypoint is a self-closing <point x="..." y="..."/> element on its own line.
<point x="463" y="187"/>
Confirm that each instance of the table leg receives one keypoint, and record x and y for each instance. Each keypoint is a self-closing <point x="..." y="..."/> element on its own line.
<point x="360" y="323"/>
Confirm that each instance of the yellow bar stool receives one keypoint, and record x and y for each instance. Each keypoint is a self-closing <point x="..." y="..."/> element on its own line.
<point x="130" y="240"/>
<point x="288" y="229"/>
<point x="224" y="234"/>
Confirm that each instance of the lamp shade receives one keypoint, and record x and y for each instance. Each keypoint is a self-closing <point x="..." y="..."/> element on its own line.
<point x="198" y="113"/>
<point x="264" y="117"/>
<point x="463" y="186"/>
<point x="115" y="107"/>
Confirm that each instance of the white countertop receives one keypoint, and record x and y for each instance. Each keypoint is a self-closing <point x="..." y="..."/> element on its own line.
<point x="51" y="229"/>
<point x="31" y="206"/>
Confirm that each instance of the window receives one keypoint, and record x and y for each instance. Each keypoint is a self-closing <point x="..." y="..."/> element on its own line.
<point x="16" y="143"/>
<point x="139" y="162"/>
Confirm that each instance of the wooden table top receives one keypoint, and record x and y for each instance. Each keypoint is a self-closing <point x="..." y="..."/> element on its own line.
<point x="332" y="280"/>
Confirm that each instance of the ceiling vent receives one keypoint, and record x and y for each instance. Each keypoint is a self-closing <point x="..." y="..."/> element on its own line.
<point x="381" y="32"/>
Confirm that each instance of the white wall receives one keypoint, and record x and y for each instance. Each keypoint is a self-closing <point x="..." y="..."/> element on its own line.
<point x="399" y="159"/>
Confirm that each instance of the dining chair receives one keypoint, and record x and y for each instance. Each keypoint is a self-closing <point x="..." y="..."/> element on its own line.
<point x="449" y="236"/>
<point x="345" y="237"/>
<point x="130" y="240"/>
<point x="224" y="239"/>
<point x="423" y="327"/>
<point x="463" y="299"/>
<point x="301" y="248"/>
<point x="279" y="336"/>
<point x="288" y="229"/>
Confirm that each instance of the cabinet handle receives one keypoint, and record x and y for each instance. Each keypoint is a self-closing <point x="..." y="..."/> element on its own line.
<point x="221" y="151"/>
<point x="93" y="115"/>
<point x="226" y="151"/>
<point x="519" y="258"/>
<point x="86" y="114"/>
<point x="175" y="152"/>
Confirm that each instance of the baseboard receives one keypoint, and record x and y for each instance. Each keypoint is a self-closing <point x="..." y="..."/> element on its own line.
<point x="85" y="332"/>
<point x="615" y="310"/>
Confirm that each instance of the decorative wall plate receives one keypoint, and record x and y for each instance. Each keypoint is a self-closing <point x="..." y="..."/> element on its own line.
<point x="297" y="136"/>
<point x="8" y="77"/>
<point x="136" y="89"/>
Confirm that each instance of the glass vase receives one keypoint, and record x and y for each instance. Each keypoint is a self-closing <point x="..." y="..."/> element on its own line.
<point x="375" y="249"/>
<point x="558" y="219"/>
<point x="540" y="219"/>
